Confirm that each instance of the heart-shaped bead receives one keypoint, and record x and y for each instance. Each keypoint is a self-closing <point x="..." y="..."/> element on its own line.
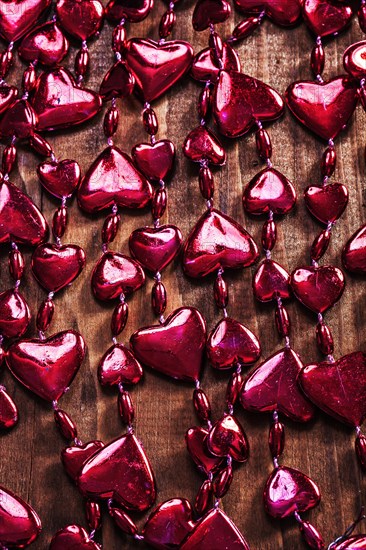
<point x="157" y="66"/>
<point x="288" y="491"/>
<point x="20" y="219"/>
<point x="120" y="471"/>
<point x="217" y="241"/>
<point x="272" y="387"/>
<point x="81" y="19"/>
<point x="203" y="68"/>
<point x="196" y="441"/>
<point x="354" y="542"/>
<point x="354" y="252"/>
<point x="46" y="44"/>
<point x="241" y="100"/>
<point x="19" y="523"/>
<point x="17" y="17"/>
<point x="227" y="437"/>
<point x="169" y="524"/>
<point x="112" y="179"/>
<point x="47" y="367"/>
<point x="60" y="178"/>
<point x="155" y="160"/>
<point x="210" y="12"/>
<point x="8" y="411"/>
<point x="202" y="144"/>
<point x="73" y="537"/>
<point x="271" y="281"/>
<point x="55" y="267"/>
<point x="282" y="12"/>
<point x="269" y="190"/>
<point x="155" y="247"/>
<point x="325" y="17"/>
<point x="338" y="388"/>
<point x="354" y="59"/>
<point x="318" y="288"/>
<point x="125" y="9"/>
<point x="326" y="203"/>
<point x="19" y="120"/>
<point x="7" y="96"/>
<point x="323" y="107"/>
<point x="14" y="314"/>
<point x="175" y="347"/>
<point x="60" y="103"/>
<point x="74" y="458"/>
<point x="215" y="530"/>
<point x="118" y="82"/>
<point x="231" y="343"/>
<point x="119" y="366"/>
<point x="115" y="274"/>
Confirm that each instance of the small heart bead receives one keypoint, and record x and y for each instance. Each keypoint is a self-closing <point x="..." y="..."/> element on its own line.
<point x="210" y="12"/>
<point x="55" y="267"/>
<point x="73" y="458"/>
<point x="326" y="17"/>
<point x="82" y="19"/>
<point x="17" y="17"/>
<point x="73" y="537"/>
<point x="196" y="441"/>
<point x="19" y="120"/>
<point x="14" y="314"/>
<point x="119" y="366"/>
<point x="227" y="437"/>
<point x="318" y="288"/>
<point x="269" y="190"/>
<point x="326" y="203"/>
<point x="203" y="68"/>
<point x="282" y="12"/>
<point x="354" y="59"/>
<point x="154" y="160"/>
<point x="118" y="82"/>
<point x="202" y="144"/>
<point x="115" y="274"/>
<point x="169" y="524"/>
<point x="19" y="523"/>
<point x="155" y="247"/>
<point x="8" y="411"/>
<point x="60" y="178"/>
<point x="271" y="281"/>
<point x="46" y="44"/>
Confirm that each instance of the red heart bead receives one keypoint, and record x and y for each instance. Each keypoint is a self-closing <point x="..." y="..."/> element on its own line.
<point x="210" y="12"/>
<point x="155" y="160"/>
<point x="354" y="542"/>
<point x="354" y="59"/>
<point x="14" y="314"/>
<point x="157" y="66"/>
<point x="60" y="178"/>
<point x="7" y="96"/>
<point x="227" y="437"/>
<point x="196" y="441"/>
<point x="318" y="288"/>
<point x="325" y="17"/>
<point x="17" y="17"/>
<point x="113" y="179"/>
<point x="217" y="241"/>
<point x="282" y="12"/>
<point x="202" y="144"/>
<point x="125" y="9"/>
<point x="81" y="19"/>
<point x="155" y="247"/>
<point x="115" y="274"/>
<point x="338" y="388"/>
<point x="203" y="68"/>
<point x="118" y="82"/>
<point x="73" y="458"/>
<point x="354" y="252"/>
<point x="215" y="531"/>
<point x="47" y="367"/>
<point x="288" y="491"/>
<point x="55" y="267"/>
<point x="231" y="343"/>
<point x="120" y="471"/>
<point x="326" y="203"/>
<point x="270" y="281"/>
<point x="45" y="44"/>
<point x="8" y="411"/>
<point x="19" y="120"/>
<point x="175" y="347"/>
<point x="119" y="366"/>
<point x="272" y="387"/>
<point x="19" y="523"/>
<point x="60" y="103"/>
<point x="325" y="107"/>
<point x="241" y="100"/>
<point x="269" y="190"/>
<point x="20" y="221"/>
<point x="73" y="537"/>
<point x="169" y="524"/>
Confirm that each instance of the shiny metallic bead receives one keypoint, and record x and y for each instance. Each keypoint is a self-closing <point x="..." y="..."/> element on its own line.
<point x="320" y="245"/>
<point x="324" y="338"/>
<point x="150" y="121"/>
<point x="65" y="424"/>
<point x="245" y="28"/>
<point x="204" y="497"/>
<point x="125" y="407"/>
<point x="111" y="119"/>
<point x="159" y="203"/>
<point x="204" y="103"/>
<point x="119" y="39"/>
<point x="119" y="318"/>
<point x="223" y="481"/>
<point x="269" y="235"/>
<point x="221" y="292"/>
<point x="93" y="514"/>
<point x="16" y="264"/>
<point x="328" y="164"/>
<point x="276" y="439"/>
<point x="45" y="314"/>
<point x="29" y="79"/>
<point x="110" y="228"/>
<point x="282" y="321"/>
<point x="201" y="405"/>
<point x="360" y="446"/>
<point x="9" y="158"/>
<point x="263" y="143"/>
<point x="82" y="61"/>
<point x="233" y="388"/>
<point x="167" y="23"/>
<point x="158" y="298"/>
<point x="317" y="59"/>
<point x="123" y="521"/>
<point x="41" y="145"/>
<point x="206" y="182"/>
<point x="59" y="222"/>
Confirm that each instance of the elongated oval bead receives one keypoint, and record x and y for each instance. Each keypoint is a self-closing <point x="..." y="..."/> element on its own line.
<point x="329" y="160"/>
<point x="6" y="61"/>
<point x="269" y="234"/>
<point x="150" y="121"/>
<point x="263" y="143"/>
<point x="276" y="439"/>
<point x="311" y="536"/>
<point x="45" y="314"/>
<point x="93" y="515"/>
<point x="362" y="17"/>
<point x="223" y="481"/>
<point x="282" y="321"/>
<point x="40" y="145"/>
<point x="29" y="79"/>
<point x="119" y="318"/>
<point x="119" y="39"/>
<point x="125" y="407"/>
<point x="233" y="388"/>
<point x="201" y="405"/>
<point x="158" y="298"/>
<point x="110" y="228"/>
<point x="245" y="28"/>
<point x="362" y="94"/>
<point x="320" y="245"/>
<point x="206" y="182"/>
<point x="59" y="222"/>
<point x="123" y="521"/>
<point x="65" y="424"/>
<point x="360" y="446"/>
<point x="9" y="158"/>
<point x="110" y="124"/>
<point x="317" y="59"/>
<point x="216" y="48"/>
<point x="204" y="497"/>
<point x="324" y="339"/>
<point x="221" y="292"/>
<point x="159" y="203"/>
<point x="167" y="23"/>
<point x="82" y="61"/>
<point x="204" y="103"/>
<point x="16" y="264"/>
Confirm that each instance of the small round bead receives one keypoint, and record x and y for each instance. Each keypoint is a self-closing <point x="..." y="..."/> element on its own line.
<point x="206" y="182"/>
<point x="317" y="59"/>
<point x="311" y="536"/>
<point x="221" y="292"/>
<point x="45" y="314"/>
<point x="159" y="203"/>
<point x="119" y="39"/>
<point x="29" y="79"/>
<point x="93" y="515"/>
<point x="282" y="321"/>
<point x="125" y="407"/>
<point x="269" y="235"/>
<point x="276" y="439"/>
<point x="123" y="521"/>
<point x="216" y="48"/>
<point x="119" y="318"/>
<point x="167" y="23"/>
<point x="201" y="405"/>
<point x="9" y="158"/>
<point x="320" y="245"/>
<point x="110" y="228"/>
<point x="6" y="61"/>
<point x="59" y="222"/>
<point x="150" y="121"/>
<point x="233" y="388"/>
<point x="204" y="103"/>
<point x="40" y="145"/>
<point x="158" y="298"/>
<point x="360" y="446"/>
<point x="204" y="497"/>
<point x="245" y="28"/>
<point x="223" y="481"/>
<point x="111" y="119"/>
<point x="16" y="264"/>
<point x="362" y="17"/>
<point x="324" y="339"/>
<point x="263" y="143"/>
<point x="328" y="163"/>
<point x="65" y="424"/>
<point x="82" y="61"/>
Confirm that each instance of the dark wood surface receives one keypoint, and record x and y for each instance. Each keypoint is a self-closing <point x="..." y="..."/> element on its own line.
<point x="30" y="463"/>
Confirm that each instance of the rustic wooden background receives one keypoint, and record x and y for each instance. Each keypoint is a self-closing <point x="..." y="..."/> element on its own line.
<point x="30" y="463"/>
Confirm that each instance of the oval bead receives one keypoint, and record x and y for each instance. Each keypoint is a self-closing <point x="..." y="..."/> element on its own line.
<point x="233" y="388"/>
<point x="221" y="293"/>
<point x="204" y="103"/>
<point x="125" y="407"/>
<point x="16" y="264"/>
<point x="40" y="145"/>
<point x="159" y="203"/>
<point x="269" y="235"/>
<point x="158" y="298"/>
<point x="223" y="481"/>
<point x="276" y="439"/>
<point x="201" y="405"/>
<point x="93" y="515"/>
<point x="216" y="48"/>
<point x="245" y="28"/>
<point x="119" y="39"/>
<point x="320" y="245"/>
<point x="150" y="121"/>
<point x="9" y="158"/>
<point x="45" y="314"/>
<point x="110" y="123"/>
<point x="206" y="182"/>
<point x="204" y="497"/>
<point x="362" y="16"/>
<point x="29" y="79"/>
<point x="167" y="23"/>
<point x="123" y="521"/>
<point x="263" y="143"/>
<point x="360" y="446"/>
<point x="282" y="321"/>
<point x="6" y="61"/>
<point x="59" y="222"/>
<point x="328" y="163"/>
<point x="119" y="318"/>
<point x="362" y="94"/>
<point x="110" y="228"/>
<point x="82" y="60"/>
<point x="317" y="59"/>
<point x="324" y="339"/>
<point x="311" y="536"/>
<point x="65" y="424"/>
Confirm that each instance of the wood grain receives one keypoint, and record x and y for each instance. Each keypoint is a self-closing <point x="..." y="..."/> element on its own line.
<point x="30" y="463"/>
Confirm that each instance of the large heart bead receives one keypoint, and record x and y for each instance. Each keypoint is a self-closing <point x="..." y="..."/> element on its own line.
<point x="288" y="491"/>
<point x="60" y="178"/>
<point x="46" y="44"/>
<point x="324" y="108"/>
<point x="196" y="441"/>
<point x="203" y="69"/>
<point x="155" y="247"/>
<point x="74" y="458"/>
<point x="231" y="343"/>
<point x="47" y="367"/>
<point x="119" y="366"/>
<point x="326" y="17"/>
<point x="354" y="252"/>
<point x="273" y="387"/>
<point x="157" y="66"/>
<point x="271" y="281"/>
<point x="217" y="241"/>
<point x="169" y="524"/>
<point x="241" y="100"/>
<point x="19" y="120"/>
<point x="269" y="190"/>
<point x="73" y="537"/>
<point x="201" y="144"/>
<point x="115" y="274"/>
<point x="283" y="12"/>
<point x="354" y="542"/>
<point x="227" y="437"/>
<point x="125" y="9"/>
<point x="112" y="179"/>
<point x="318" y="288"/>
<point x="20" y="219"/>
<point x="155" y="160"/>
<point x="8" y="410"/>
<point x="60" y="103"/>
<point x="14" y="314"/>
<point x="17" y="17"/>
<point x="175" y="347"/>
<point x="81" y="19"/>
<point x="326" y="203"/>
<point x="338" y="388"/>
<point x="118" y="82"/>
<point x="55" y="267"/>
<point x="121" y="471"/>
<point x="210" y="12"/>
<point x="19" y="523"/>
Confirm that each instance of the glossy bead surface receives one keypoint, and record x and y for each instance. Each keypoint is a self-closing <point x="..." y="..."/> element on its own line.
<point x="155" y="248"/>
<point x="45" y="314"/>
<point x="14" y="314"/>
<point x="6" y="61"/>
<point x="155" y="160"/>
<point x="125" y="407"/>
<point x="311" y="536"/>
<point x="19" y="120"/>
<point x="167" y="23"/>
<point x="362" y="19"/>
<point x="233" y="388"/>
<point x="203" y="69"/>
<point x="202" y="144"/>
<point x="282" y="321"/>
<point x="196" y="441"/>
<point x="318" y="288"/>
<point x="276" y="439"/>
<point x="360" y="446"/>
<point x="19" y="523"/>
<point x="324" y="339"/>
<point x="325" y="18"/>
<point x="115" y="274"/>
<point x="16" y="264"/>
<point x="210" y="12"/>
<point x="40" y="145"/>
<point x="17" y="18"/>
<point x="204" y="103"/>
<point x="9" y="158"/>
<point x="269" y="235"/>
<point x="354" y="252"/>
<point x="123" y="521"/>
<point x="65" y="424"/>
<point x="320" y="245"/>
<point x="328" y="164"/>
<point x="221" y="292"/>
<point x="73" y="536"/>
<point x="354" y="542"/>
<point x="125" y="9"/>
<point x="159" y="203"/>
<point x="55" y="267"/>
<point x="269" y="190"/>
<point x="119" y="318"/>
<point x="7" y="96"/>
<point x="82" y="19"/>
<point x="271" y="281"/>
<point x="169" y="524"/>
<point x="158" y="298"/>
<point x="8" y="410"/>
<point x="82" y="61"/>
<point x="110" y="228"/>
<point x="216" y="47"/>
<point x="150" y="121"/>
<point x="245" y="28"/>
<point x="61" y="178"/>
<point x="282" y="12"/>
<point x="110" y="122"/>
<point x="119" y="366"/>
<point x="204" y="497"/>
<point x="223" y="481"/>
<point x="317" y="59"/>
<point x="326" y="203"/>
<point x="74" y="457"/>
<point x="45" y="44"/>
<point x="59" y="222"/>
<point x="93" y="514"/>
<point x="263" y="143"/>
<point x="118" y="82"/>
<point x="227" y="437"/>
<point x="201" y="405"/>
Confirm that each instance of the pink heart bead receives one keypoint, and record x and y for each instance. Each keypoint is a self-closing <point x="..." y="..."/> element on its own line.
<point x="73" y="537"/>
<point x="227" y="437"/>
<point x="326" y="17"/>
<point x="202" y="144"/>
<point x="73" y="458"/>
<point x="17" y="17"/>
<point x="115" y="274"/>
<point x="196" y="441"/>
<point x="60" y="178"/>
<point x="203" y="68"/>
<point x="271" y="281"/>
<point x="8" y="411"/>
<point x="318" y="288"/>
<point x="45" y="44"/>
<point x="354" y="252"/>
<point x="269" y="190"/>
<point x="354" y="542"/>
<point x="282" y="12"/>
<point x="19" y="523"/>
<point x="56" y="267"/>
<point x="14" y="314"/>
<point x="125" y="9"/>
<point x="119" y="366"/>
<point x="19" y="120"/>
<point x="82" y="19"/>
<point x="326" y="203"/>
<point x="169" y="524"/>
<point x="354" y="59"/>
<point x="118" y="82"/>
<point x="7" y="96"/>
<point x="210" y="12"/>
<point x="155" y="248"/>
<point x="155" y="160"/>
